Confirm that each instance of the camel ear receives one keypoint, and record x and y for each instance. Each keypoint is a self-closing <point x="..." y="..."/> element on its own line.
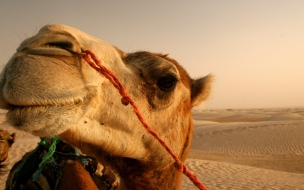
<point x="200" y="89"/>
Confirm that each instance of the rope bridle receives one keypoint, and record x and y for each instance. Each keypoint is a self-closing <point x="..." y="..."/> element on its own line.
<point x="126" y="99"/>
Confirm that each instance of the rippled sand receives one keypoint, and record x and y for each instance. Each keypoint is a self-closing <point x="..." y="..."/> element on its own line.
<point x="222" y="175"/>
<point x="248" y="149"/>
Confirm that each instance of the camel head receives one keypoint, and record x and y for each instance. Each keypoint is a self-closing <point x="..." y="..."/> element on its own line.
<point x="48" y="89"/>
<point x="6" y="141"/>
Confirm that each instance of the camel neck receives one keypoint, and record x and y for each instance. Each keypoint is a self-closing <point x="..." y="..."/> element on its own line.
<point x="140" y="177"/>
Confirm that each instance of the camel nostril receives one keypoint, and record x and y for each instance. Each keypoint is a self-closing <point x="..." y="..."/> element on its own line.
<point x="59" y="45"/>
<point x="62" y="45"/>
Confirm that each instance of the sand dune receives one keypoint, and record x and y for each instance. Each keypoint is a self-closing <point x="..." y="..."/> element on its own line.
<point x="221" y="175"/>
<point x="249" y="115"/>
<point x="252" y="139"/>
<point x="232" y="149"/>
<point x="248" y="149"/>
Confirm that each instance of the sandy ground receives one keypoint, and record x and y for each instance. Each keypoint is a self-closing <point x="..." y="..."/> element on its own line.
<point x="232" y="149"/>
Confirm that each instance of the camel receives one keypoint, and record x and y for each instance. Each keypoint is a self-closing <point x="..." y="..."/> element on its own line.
<point x="6" y="141"/>
<point x="48" y="89"/>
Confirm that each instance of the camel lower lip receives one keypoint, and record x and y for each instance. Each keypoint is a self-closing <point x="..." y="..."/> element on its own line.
<point x="48" y="119"/>
<point x="17" y="115"/>
<point x="44" y="120"/>
<point x="13" y="100"/>
<point x="38" y="108"/>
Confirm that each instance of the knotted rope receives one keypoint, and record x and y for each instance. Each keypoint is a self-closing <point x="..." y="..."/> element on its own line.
<point x="126" y="99"/>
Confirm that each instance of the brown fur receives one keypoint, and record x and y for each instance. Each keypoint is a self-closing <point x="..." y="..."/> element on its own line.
<point x="75" y="177"/>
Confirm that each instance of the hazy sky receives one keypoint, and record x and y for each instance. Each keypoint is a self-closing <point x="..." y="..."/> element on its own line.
<point x="255" y="48"/>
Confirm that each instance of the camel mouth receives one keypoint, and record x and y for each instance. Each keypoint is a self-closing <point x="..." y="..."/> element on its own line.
<point x="17" y="111"/>
<point x="47" y="119"/>
<point x="43" y="120"/>
<point x="14" y="107"/>
<point x="23" y="102"/>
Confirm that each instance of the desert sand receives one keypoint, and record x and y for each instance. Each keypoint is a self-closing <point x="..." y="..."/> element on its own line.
<point x="232" y="149"/>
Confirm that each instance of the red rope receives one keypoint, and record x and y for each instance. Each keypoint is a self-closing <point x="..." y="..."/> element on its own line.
<point x="126" y="99"/>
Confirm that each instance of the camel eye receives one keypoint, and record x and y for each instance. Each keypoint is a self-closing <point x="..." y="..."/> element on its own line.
<point x="167" y="83"/>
